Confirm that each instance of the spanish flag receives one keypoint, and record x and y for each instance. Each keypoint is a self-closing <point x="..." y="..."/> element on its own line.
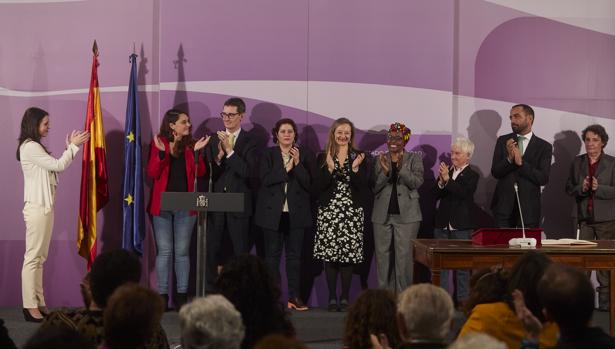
<point x="94" y="188"/>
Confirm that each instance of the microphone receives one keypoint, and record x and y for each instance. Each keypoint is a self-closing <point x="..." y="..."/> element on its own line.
<point x="523" y="242"/>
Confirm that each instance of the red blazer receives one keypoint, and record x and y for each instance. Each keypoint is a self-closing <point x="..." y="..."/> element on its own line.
<point x="158" y="170"/>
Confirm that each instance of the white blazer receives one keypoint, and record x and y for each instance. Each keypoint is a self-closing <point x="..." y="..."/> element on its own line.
<point x="39" y="172"/>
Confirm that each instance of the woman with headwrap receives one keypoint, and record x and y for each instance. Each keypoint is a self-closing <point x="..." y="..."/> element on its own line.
<point x="397" y="214"/>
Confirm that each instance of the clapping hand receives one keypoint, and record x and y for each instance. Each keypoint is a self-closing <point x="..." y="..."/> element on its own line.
<point x="225" y="142"/>
<point x="158" y="143"/>
<point x="294" y="153"/>
<point x="330" y="163"/>
<point x="594" y="183"/>
<point x="77" y="137"/>
<point x="532" y="325"/>
<point x="201" y="143"/>
<point x="443" y="176"/>
<point x="384" y="164"/>
<point x="586" y="183"/>
<point x="357" y="162"/>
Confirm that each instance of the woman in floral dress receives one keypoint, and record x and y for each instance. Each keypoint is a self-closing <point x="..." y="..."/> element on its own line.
<point x="343" y="192"/>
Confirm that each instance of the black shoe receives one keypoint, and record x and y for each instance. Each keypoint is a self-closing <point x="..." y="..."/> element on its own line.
<point x="297" y="304"/>
<point x="179" y="300"/>
<point x="332" y="305"/>
<point x="165" y="300"/>
<point x="29" y="318"/>
<point x="343" y="305"/>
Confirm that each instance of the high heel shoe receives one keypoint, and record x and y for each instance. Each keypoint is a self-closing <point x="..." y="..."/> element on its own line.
<point x="297" y="304"/>
<point x="29" y="318"/>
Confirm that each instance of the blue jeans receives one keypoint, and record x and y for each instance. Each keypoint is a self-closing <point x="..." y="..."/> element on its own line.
<point x="460" y="277"/>
<point x="173" y="231"/>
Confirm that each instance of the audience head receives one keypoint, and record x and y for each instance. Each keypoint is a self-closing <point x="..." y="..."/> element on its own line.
<point x="132" y="317"/>
<point x="567" y="296"/>
<point x="425" y="312"/>
<point x="210" y="322"/>
<point x="111" y="270"/>
<point x="275" y="341"/>
<point x="341" y="133"/>
<point x="283" y="129"/>
<point x="488" y="285"/>
<point x="246" y="283"/>
<point x="477" y="340"/>
<point x="524" y="276"/>
<point x="54" y="337"/>
<point x="374" y="312"/>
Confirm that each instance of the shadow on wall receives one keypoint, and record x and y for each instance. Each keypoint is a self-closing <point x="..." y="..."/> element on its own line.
<point x="557" y="206"/>
<point x="482" y="131"/>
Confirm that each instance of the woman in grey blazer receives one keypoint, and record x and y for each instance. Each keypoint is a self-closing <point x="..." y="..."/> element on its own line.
<point x="396" y="214"/>
<point x="592" y="183"/>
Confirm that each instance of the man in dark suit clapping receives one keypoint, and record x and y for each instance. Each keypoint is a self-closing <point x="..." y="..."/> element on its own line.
<point x="233" y="166"/>
<point x="522" y="158"/>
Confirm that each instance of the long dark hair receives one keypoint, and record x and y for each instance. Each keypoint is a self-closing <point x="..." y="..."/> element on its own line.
<point x="30" y="123"/>
<point x="246" y="282"/>
<point x="171" y="117"/>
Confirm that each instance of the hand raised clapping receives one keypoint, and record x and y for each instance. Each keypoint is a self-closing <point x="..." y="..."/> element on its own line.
<point x="77" y="137"/>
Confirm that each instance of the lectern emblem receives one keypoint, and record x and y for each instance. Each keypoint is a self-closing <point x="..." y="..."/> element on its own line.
<point x="202" y="201"/>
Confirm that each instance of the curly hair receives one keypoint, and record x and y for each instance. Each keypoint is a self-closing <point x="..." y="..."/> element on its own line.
<point x="374" y="312"/>
<point x="246" y="283"/>
<point x="401" y="128"/>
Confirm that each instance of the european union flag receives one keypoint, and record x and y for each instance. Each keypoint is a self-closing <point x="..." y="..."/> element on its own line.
<point x="134" y="224"/>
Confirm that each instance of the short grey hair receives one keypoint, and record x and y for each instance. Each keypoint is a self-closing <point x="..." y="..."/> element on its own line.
<point x="427" y="312"/>
<point x="465" y="145"/>
<point x="211" y="322"/>
<point x="480" y="340"/>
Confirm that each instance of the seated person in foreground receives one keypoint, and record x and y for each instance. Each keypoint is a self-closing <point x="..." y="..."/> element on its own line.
<point x="568" y="299"/>
<point x="498" y="319"/>
<point x="109" y="271"/>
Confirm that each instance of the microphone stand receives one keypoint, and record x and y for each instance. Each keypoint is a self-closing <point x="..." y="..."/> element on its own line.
<point x="523" y="242"/>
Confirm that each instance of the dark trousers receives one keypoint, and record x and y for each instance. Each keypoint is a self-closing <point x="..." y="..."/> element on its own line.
<point x="292" y="239"/>
<point x="237" y="228"/>
<point x="599" y="231"/>
<point x="513" y="219"/>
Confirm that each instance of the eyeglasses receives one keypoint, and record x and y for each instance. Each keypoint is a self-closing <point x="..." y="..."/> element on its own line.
<point x="229" y="115"/>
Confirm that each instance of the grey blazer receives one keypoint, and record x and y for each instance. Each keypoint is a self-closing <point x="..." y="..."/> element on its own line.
<point x="409" y="178"/>
<point x="604" y="197"/>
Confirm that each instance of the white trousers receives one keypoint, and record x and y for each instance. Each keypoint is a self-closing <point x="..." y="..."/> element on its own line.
<point x="38" y="236"/>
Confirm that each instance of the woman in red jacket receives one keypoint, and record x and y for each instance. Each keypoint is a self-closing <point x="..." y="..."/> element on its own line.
<point x="172" y="167"/>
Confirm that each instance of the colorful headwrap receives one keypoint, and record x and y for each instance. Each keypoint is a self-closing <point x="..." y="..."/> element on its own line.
<point x="401" y="128"/>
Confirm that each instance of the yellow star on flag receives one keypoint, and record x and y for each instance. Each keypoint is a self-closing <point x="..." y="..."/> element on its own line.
<point x="128" y="199"/>
<point x="131" y="136"/>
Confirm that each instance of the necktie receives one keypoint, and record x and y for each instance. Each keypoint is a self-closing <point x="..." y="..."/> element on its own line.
<point x="520" y="142"/>
<point x="231" y="139"/>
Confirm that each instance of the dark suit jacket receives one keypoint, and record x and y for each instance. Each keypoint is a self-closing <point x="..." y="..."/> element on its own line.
<point x="271" y="194"/>
<point x="530" y="176"/>
<point x="236" y="173"/>
<point x="457" y="200"/>
<point x="604" y="196"/>
<point x="325" y="182"/>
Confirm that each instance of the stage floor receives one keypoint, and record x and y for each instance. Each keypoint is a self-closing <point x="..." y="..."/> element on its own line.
<point x="317" y="328"/>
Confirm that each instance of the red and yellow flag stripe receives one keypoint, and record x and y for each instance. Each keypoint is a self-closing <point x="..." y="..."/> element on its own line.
<point x="94" y="178"/>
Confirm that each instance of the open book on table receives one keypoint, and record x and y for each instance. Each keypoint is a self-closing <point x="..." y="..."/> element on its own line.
<point x="567" y="242"/>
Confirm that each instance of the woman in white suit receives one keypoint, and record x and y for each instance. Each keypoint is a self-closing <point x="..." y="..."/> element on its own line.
<point x="40" y="182"/>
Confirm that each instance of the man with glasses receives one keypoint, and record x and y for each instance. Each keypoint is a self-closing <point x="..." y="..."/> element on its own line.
<point x="234" y="158"/>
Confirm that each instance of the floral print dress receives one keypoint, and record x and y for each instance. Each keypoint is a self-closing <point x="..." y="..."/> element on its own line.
<point x="339" y="226"/>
